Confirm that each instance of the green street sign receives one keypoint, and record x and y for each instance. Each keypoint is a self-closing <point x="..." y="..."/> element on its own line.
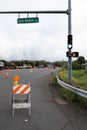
<point x="28" y="20"/>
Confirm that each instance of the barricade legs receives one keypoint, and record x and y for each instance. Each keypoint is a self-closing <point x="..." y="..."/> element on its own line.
<point x="19" y="104"/>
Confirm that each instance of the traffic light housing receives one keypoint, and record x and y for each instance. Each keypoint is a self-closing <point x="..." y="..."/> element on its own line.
<point x="68" y="54"/>
<point x="69" y="44"/>
<point x="75" y="54"/>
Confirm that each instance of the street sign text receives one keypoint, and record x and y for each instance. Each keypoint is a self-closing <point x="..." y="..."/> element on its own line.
<point x="28" y="20"/>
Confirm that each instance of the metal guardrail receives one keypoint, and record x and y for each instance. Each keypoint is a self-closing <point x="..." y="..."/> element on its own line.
<point x="78" y="91"/>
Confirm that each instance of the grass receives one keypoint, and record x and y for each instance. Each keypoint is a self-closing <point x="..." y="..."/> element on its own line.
<point x="63" y="74"/>
<point x="79" y="78"/>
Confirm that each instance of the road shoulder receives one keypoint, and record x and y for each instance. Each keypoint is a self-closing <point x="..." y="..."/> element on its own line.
<point x="76" y="115"/>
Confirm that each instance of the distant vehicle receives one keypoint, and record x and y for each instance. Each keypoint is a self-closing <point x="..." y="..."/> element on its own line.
<point x="1" y="65"/>
<point x="53" y="67"/>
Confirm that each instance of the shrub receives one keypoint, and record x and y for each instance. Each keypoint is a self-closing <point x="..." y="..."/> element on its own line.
<point x="76" y="66"/>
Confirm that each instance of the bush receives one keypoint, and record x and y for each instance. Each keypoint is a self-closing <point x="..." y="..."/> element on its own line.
<point x="76" y="66"/>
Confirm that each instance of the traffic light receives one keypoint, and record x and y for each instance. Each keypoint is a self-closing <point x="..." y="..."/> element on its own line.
<point x="68" y="54"/>
<point x="69" y="44"/>
<point x="75" y="54"/>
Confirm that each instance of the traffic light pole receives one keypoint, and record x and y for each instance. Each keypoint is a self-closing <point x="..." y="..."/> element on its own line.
<point x="68" y="12"/>
<point x="69" y="50"/>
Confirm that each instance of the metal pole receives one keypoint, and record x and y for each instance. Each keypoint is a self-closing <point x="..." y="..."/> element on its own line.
<point x="69" y="33"/>
<point x="40" y="12"/>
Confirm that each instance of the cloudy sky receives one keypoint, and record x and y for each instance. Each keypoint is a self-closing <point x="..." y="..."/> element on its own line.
<point x="46" y="40"/>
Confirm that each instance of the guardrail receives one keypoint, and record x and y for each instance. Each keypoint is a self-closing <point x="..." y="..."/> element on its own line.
<point x="78" y="91"/>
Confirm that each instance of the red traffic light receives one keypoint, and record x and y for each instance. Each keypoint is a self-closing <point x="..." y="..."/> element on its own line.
<point x="75" y="54"/>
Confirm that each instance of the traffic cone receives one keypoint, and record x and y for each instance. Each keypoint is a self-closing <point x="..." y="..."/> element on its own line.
<point x="6" y="76"/>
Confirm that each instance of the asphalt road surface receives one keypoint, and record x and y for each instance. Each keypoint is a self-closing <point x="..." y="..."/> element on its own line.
<point x="49" y="111"/>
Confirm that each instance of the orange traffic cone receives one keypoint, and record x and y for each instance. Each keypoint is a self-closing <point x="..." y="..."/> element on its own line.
<point x="6" y="76"/>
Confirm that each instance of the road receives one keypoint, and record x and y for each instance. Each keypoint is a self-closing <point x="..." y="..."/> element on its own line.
<point x="48" y="113"/>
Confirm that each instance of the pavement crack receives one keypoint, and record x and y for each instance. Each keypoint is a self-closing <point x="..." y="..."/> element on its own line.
<point x="66" y="124"/>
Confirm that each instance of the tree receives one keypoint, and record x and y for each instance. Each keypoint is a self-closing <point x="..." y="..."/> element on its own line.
<point x="78" y="64"/>
<point x="81" y="60"/>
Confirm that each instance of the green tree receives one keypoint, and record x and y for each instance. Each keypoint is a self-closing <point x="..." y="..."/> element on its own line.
<point x="81" y="60"/>
<point x="78" y="64"/>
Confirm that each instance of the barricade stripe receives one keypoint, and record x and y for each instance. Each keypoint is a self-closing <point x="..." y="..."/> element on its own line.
<point x="25" y="89"/>
<point x="19" y="91"/>
<point x="14" y="87"/>
<point x="28" y="91"/>
<point x="18" y="88"/>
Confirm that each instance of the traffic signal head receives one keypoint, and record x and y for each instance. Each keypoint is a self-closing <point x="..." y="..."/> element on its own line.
<point x="69" y="45"/>
<point x="75" y="54"/>
<point x="68" y="54"/>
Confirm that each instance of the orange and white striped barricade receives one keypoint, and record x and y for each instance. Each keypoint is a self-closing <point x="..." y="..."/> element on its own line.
<point x="21" y="89"/>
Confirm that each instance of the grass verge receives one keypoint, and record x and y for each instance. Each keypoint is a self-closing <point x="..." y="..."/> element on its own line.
<point x="79" y="79"/>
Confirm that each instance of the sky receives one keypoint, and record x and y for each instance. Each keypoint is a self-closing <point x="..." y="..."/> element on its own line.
<point x="46" y="40"/>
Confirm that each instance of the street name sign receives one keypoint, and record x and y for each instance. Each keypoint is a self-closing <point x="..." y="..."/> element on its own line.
<point x="28" y="20"/>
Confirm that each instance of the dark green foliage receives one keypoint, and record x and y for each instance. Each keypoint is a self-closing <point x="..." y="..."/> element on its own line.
<point x="81" y="60"/>
<point x="78" y="64"/>
<point x="37" y="63"/>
